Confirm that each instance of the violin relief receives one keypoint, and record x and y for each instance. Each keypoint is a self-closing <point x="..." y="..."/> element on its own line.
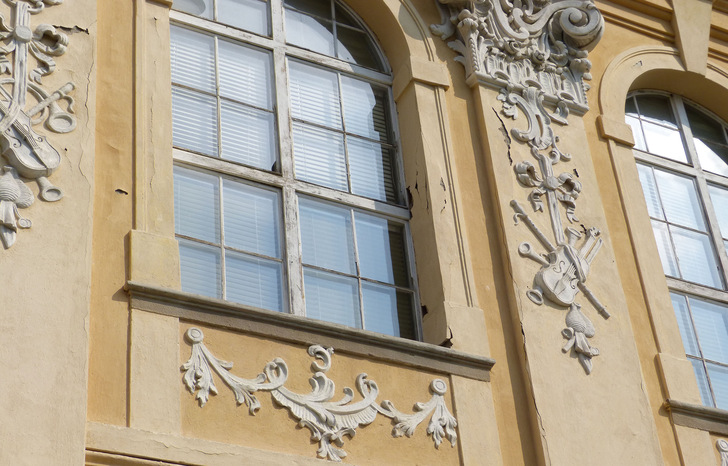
<point x="24" y="105"/>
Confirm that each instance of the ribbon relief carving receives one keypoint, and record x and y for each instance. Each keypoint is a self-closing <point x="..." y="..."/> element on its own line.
<point x="27" y="56"/>
<point x="536" y="53"/>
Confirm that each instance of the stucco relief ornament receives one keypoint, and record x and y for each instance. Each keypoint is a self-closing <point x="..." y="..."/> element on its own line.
<point x="26" y="153"/>
<point x="722" y="446"/>
<point x="536" y="53"/>
<point x="329" y="421"/>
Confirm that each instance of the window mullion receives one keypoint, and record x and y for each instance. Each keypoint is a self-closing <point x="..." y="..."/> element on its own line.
<point x="285" y="130"/>
<point x="276" y="13"/>
<point x="293" y="250"/>
<point x="687" y="132"/>
<point x="221" y="220"/>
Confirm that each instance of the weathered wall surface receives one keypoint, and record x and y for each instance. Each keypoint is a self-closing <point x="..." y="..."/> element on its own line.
<point x="46" y="271"/>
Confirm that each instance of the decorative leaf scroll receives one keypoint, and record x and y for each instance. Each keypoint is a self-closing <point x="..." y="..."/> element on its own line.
<point x="329" y="421"/>
<point x="722" y="446"/>
<point x="25" y="153"/>
<point x="541" y="44"/>
<point x="535" y="52"/>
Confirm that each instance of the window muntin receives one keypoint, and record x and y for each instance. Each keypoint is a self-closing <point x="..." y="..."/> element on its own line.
<point x="249" y="15"/>
<point x="270" y="127"/>
<point x="687" y="200"/>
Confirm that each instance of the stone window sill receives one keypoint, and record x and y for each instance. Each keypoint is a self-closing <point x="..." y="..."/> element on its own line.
<point x="698" y="417"/>
<point x="296" y="329"/>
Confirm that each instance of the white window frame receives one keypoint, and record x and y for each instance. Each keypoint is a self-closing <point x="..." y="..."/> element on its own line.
<point x="702" y="179"/>
<point x="285" y="180"/>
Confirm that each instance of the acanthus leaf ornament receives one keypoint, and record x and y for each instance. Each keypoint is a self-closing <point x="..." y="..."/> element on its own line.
<point x="329" y="421"/>
<point x="27" y="153"/>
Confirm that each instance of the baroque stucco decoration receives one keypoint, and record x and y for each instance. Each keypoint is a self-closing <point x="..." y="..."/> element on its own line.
<point x="26" y="154"/>
<point x="329" y="421"/>
<point x="536" y="53"/>
<point x="722" y="446"/>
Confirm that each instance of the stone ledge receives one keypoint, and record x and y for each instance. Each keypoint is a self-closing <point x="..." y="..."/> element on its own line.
<point x="125" y="446"/>
<point x="698" y="417"/>
<point x="305" y="331"/>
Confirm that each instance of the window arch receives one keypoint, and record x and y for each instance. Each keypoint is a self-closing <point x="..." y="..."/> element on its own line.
<point x="288" y="180"/>
<point x="682" y="155"/>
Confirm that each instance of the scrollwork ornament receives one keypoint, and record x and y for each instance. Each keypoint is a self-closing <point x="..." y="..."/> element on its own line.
<point x="722" y="446"/>
<point x="328" y="421"/>
<point x="23" y="148"/>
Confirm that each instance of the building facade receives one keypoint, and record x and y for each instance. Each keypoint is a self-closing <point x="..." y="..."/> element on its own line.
<point x="364" y="231"/>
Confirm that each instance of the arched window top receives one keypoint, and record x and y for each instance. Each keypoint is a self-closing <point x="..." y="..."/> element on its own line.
<point x="326" y="27"/>
<point x="682" y="150"/>
<point x="288" y="179"/>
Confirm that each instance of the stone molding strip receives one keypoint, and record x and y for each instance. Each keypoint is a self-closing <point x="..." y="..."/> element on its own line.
<point x="109" y="444"/>
<point x="698" y="417"/>
<point x="300" y="330"/>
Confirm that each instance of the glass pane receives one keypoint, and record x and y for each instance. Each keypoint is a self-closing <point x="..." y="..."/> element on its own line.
<point x="319" y="156"/>
<point x="719" y="381"/>
<point x="696" y="257"/>
<point x="248" y="136"/>
<point x="315" y="95"/>
<point x="365" y="109"/>
<point x="656" y="108"/>
<point x="630" y="108"/>
<point x="711" y="323"/>
<point x="664" y="247"/>
<point x="251" y="15"/>
<point x="200" y="268"/>
<point x="639" y="138"/>
<point x="343" y="17"/>
<point x="664" y="142"/>
<point x="309" y="32"/>
<point x="702" y="379"/>
<point x="320" y="8"/>
<point x="194" y="121"/>
<point x="680" y="200"/>
<point x="712" y="157"/>
<point x="679" y="303"/>
<point x="704" y="127"/>
<point x="196" y="205"/>
<point x="252" y="218"/>
<point x="193" y="59"/>
<point x="372" y="173"/>
<point x="326" y="236"/>
<point x="253" y="281"/>
<point x="245" y="74"/>
<point x="356" y="46"/>
<point x="719" y="197"/>
<point x="381" y="249"/>
<point x="196" y="7"/>
<point x="649" y="188"/>
<point x="332" y="298"/>
<point x="387" y="311"/>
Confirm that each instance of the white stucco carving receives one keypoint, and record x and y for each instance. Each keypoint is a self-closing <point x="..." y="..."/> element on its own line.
<point x="25" y="152"/>
<point x="542" y="44"/>
<point x="536" y="53"/>
<point x="329" y="421"/>
<point x="722" y="446"/>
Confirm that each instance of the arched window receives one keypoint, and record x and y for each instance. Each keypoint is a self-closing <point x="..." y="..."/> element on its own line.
<point x="288" y="182"/>
<point x="682" y="154"/>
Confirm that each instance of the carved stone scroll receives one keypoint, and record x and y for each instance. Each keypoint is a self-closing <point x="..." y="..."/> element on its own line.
<point x="24" y="104"/>
<point x="535" y="52"/>
<point x="329" y="421"/>
<point x="722" y="446"/>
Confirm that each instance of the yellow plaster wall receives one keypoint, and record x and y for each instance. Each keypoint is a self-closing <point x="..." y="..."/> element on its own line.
<point x="109" y="321"/>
